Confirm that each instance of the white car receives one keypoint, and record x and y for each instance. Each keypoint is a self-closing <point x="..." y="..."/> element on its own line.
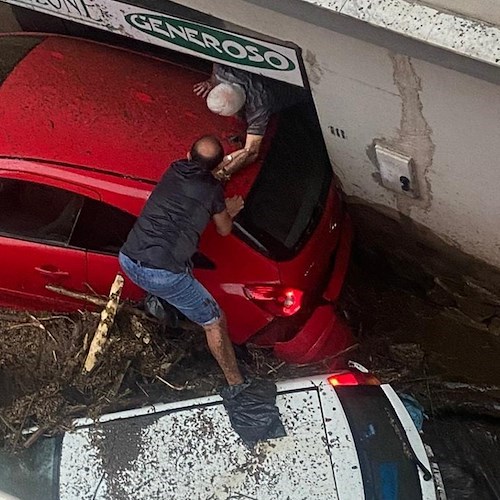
<point x="346" y="439"/>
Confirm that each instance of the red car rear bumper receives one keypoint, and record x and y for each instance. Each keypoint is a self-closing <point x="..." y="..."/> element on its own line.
<point x="325" y="333"/>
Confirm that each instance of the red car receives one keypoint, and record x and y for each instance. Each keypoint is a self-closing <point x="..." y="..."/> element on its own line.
<point x="87" y="131"/>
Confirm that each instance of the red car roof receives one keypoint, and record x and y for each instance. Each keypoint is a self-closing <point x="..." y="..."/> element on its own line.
<point x="82" y="103"/>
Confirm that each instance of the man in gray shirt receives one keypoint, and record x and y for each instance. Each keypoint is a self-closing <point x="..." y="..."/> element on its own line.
<point x="229" y="90"/>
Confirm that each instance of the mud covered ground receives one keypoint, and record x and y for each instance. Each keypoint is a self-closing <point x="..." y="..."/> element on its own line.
<point x="41" y="377"/>
<point x="404" y="337"/>
<point x="43" y="384"/>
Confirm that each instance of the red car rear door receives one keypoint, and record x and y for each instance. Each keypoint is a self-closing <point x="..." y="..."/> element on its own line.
<point x="29" y="266"/>
<point x="100" y="231"/>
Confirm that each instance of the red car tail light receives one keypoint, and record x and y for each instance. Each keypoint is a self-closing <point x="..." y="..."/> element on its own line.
<point x="352" y="378"/>
<point x="278" y="300"/>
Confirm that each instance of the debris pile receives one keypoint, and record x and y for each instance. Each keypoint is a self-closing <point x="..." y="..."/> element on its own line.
<point x="57" y="367"/>
<point x="403" y="339"/>
<point x="43" y="380"/>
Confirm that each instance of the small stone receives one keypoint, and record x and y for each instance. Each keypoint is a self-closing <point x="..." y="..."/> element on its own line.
<point x="441" y="297"/>
<point x="409" y="354"/>
<point x="494" y="326"/>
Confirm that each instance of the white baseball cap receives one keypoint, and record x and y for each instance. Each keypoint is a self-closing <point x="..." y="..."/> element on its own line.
<point x="226" y="99"/>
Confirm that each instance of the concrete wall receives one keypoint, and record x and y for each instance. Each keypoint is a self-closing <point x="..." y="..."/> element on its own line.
<point x="447" y="121"/>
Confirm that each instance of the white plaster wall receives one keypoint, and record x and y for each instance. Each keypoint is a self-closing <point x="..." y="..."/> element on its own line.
<point x="487" y="10"/>
<point x="464" y="114"/>
<point x="454" y="137"/>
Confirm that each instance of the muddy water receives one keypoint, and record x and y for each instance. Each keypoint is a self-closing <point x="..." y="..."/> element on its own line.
<point x="450" y="364"/>
<point x="384" y="308"/>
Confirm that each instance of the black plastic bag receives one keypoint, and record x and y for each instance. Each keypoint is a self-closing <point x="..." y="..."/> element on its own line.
<point x="161" y="310"/>
<point x="252" y="410"/>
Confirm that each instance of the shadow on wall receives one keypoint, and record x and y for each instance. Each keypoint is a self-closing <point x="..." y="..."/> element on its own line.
<point x="445" y="274"/>
<point x="8" y="22"/>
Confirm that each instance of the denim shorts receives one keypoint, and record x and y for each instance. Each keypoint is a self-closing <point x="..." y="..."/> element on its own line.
<point x="181" y="290"/>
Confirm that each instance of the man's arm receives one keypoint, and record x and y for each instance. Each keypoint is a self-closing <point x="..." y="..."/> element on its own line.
<point x="240" y="158"/>
<point x="224" y="220"/>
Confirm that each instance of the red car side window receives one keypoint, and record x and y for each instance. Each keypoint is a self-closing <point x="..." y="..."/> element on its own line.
<point x="101" y="227"/>
<point x="37" y="212"/>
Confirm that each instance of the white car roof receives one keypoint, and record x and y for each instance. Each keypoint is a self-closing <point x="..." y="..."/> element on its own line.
<point x="188" y="450"/>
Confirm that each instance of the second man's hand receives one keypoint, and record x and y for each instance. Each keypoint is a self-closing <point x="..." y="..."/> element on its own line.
<point x="231" y="164"/>
<point x="234" y="205"/>
<point x="202" y="89"/>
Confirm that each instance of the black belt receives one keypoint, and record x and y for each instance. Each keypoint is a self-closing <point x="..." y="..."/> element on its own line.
<point x="144" y="264"/>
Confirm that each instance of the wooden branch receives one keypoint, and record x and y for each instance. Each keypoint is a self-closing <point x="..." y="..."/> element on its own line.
<point x="107" y="319"/>
<point x="34" y="437"/>
<point x="172" y="386"/>
<point x="42" y="327"/>
<point x="97" y="300"/>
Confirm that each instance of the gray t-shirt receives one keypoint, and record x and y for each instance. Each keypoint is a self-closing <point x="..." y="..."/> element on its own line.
<point x="264" y="96"/>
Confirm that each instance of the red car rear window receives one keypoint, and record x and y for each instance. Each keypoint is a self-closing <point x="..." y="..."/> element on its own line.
<point x="287" y="199"/>
<point x="12" y="50"/>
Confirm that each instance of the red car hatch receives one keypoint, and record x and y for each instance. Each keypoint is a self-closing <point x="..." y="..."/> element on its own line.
<point x="308" y="269"/>
<point x="325" y="333"/>
<point x="226" y="276"/>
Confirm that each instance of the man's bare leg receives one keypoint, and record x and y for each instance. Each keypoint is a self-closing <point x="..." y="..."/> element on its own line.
<point x="222" y="350"/>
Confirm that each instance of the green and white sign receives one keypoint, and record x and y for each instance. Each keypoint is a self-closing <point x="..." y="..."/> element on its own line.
<point x="212" y="42"/>
<point x="248" y="53"/>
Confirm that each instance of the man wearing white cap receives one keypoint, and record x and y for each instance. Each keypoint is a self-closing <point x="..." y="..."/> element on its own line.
<point x="231" y="90"/>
